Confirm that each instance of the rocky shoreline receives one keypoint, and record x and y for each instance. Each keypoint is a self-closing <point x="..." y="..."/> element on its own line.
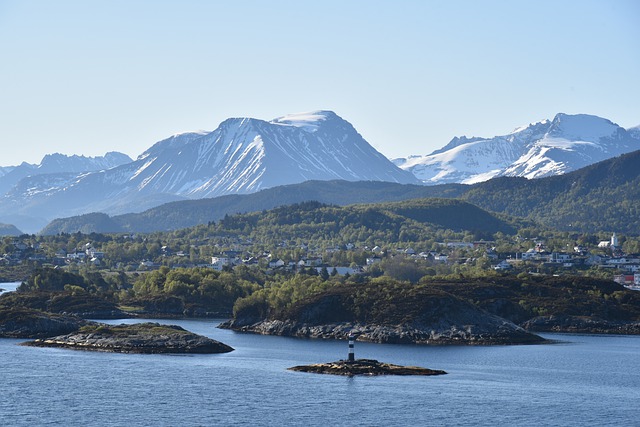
<point x="145" y="338"/>
<point x="367" y="367"/>
<point x="581" y="325"/>
<point x="387" y="313"/>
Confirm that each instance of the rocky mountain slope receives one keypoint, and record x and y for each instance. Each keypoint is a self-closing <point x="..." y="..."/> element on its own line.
<point x="547" y="148"/>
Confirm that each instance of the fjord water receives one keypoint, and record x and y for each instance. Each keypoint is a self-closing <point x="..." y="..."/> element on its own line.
<point x="582" y="380"/>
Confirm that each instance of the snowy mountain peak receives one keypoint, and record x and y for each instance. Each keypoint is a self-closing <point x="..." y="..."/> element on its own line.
<point x="549" y="147"/>
<point x="175" y="141"/>
<point x="309" y="121"/>
<point x="195" y="133"/>
<point x="455" y="142"/>
<point x="634" y="131"/>
<point x="583" y="127"/>
<point x="235" y="122"/>
<point x="531" y="125"/>
<point x="56" y="162"/>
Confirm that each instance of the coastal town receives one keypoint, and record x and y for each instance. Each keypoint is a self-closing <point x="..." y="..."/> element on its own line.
<point x="606" y="258"/>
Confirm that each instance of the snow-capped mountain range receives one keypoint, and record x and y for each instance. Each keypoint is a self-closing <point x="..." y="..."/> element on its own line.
<point x="59" y="163"/>
<point x="245" y="155"/>
<point x="549" y="147"/>
<point x="242" y="155"/>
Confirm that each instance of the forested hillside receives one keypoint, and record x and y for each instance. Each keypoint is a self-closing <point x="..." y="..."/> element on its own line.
<point x="176" y="215"/>
<point x="409" y="221"/>
<point x="603" y="196"/>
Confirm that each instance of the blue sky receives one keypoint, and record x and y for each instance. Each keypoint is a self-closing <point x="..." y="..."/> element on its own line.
<point x="87" y="77"/>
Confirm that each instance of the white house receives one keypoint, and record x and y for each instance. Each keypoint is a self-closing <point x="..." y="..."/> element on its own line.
<point x="560" y="257"/>
<point x="529" y="255"/>
<point x="277" y="263"/>
<point x="218" y="263"/>
<point x="441" y="258"/>
<point x="77" y="255"/>
<point x="504" y="265"/>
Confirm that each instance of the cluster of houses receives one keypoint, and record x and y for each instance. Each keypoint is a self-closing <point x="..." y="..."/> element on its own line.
<point x="626" y="266"/>
<point x="230" y="259"/>
<point x="88" y="254"/>
<point x="33" y="252"/>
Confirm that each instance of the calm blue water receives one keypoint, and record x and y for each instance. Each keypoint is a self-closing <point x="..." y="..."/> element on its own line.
<point x="585" y="380"/>
<point x="8" y="287"/>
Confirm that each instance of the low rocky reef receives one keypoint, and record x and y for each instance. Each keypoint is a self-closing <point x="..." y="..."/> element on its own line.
<point x="364" y="367"/>
<point x="146" y="338"/>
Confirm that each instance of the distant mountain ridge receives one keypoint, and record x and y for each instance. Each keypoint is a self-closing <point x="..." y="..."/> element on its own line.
<point x="243" y="155"/>
<point x="547" y="148"/>
<point x="59" y="163"/>
<point x="246" y="155"/>
<point x="187" y="213"/>
<point x="9" y="230"/>
<point x="56" y="169"/>
<point x="600" y="197"/>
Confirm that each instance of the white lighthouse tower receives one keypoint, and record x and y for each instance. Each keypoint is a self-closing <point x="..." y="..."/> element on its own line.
<point x="614" y="241"/>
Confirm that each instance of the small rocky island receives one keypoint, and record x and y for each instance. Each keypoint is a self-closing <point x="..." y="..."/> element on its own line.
<point x="404" y="314"/>
<point x="146" y="338"/>
<point x="371" y="367"/>
<point x="364" y="367"/>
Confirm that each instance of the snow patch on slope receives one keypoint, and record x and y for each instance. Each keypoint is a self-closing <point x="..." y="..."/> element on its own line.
<point x="309" y="122"/>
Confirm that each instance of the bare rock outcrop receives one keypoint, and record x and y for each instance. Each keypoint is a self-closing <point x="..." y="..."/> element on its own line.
<point x="146" y="338"/>
<point x="368" y="367"/>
